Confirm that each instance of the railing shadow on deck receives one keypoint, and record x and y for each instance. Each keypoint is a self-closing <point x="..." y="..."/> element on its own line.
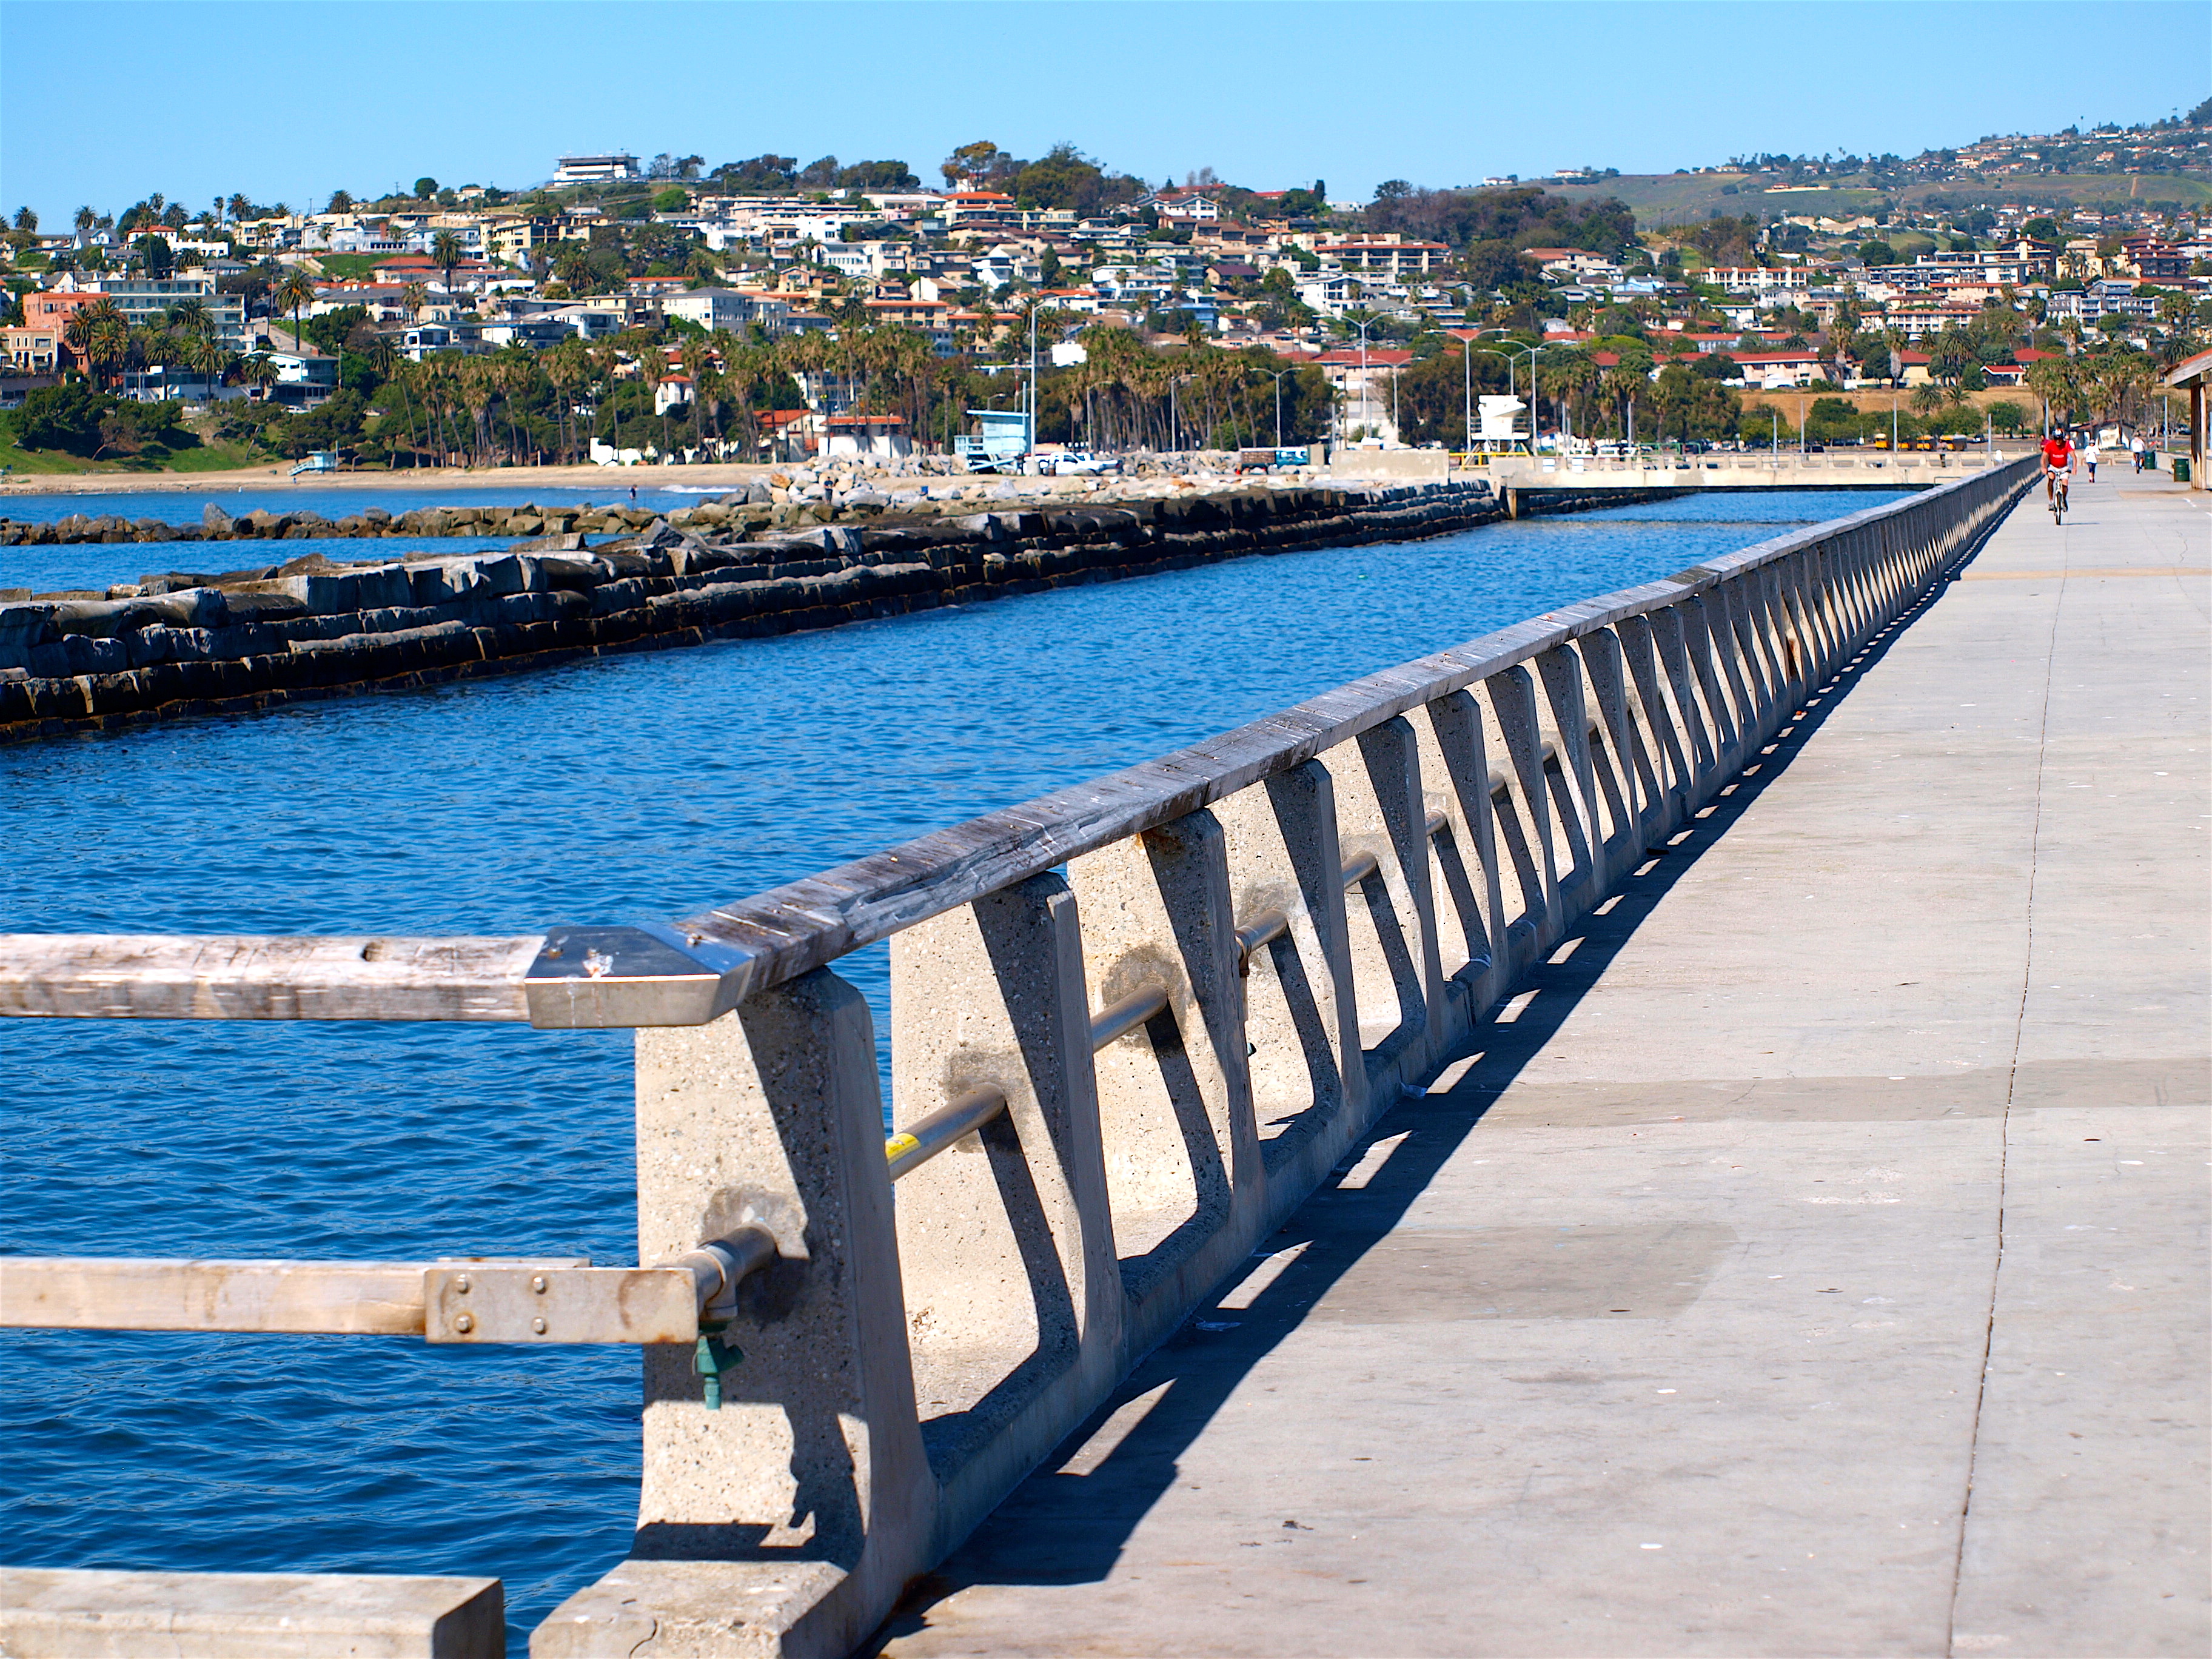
<point x="1140" y="1014"/>
<point x="1069" y="1521"/>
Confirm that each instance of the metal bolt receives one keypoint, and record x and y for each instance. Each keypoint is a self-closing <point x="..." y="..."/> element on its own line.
<point x="538" y="1282"/>
<point x="461" y="1283"/>
<point x="464" y="1322"/>
<point x="538" y="1326"/>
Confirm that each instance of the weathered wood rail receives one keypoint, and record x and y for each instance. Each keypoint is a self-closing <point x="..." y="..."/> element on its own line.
<point x="1134" y="1023"/>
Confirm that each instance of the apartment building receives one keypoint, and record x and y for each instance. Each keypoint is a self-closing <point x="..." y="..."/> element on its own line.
<point x="32" y="350"/>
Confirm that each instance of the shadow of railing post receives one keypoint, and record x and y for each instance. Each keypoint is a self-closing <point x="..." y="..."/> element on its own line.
<point x="865" y="1368"/>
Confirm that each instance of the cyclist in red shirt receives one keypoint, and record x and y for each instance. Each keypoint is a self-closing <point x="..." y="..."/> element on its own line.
<point x="2057" y="462"/>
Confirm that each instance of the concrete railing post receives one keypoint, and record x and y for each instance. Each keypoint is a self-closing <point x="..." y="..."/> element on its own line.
<point x="1397" y="970"/>
<point x="1524" y="814"/>
<point x="1469" y="894"/>
<point x="1186" y="1034"/>
<point x="785" y="1521"/>
<point x="1309" y="1079"/>
<point x="1670" y="633"/>
<point x="1671" y="767"/>
<point x="1013" y="1291"/>
<point x="1713" y="656"/>
<point x="1561" y="670"/>
<point x="1643" y="795"/>
<point x="1183" y="1172"/>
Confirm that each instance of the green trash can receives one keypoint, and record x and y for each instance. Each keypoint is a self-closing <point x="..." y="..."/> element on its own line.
<point x="2181" y="469"/>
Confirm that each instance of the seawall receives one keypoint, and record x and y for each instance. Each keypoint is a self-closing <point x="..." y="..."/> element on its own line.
<point x="188" y="643"/>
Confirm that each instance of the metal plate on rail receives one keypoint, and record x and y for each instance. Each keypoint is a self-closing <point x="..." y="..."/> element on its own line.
<point x="551" y="1299"/>
<point x="590" y="978"/>
<point x="486" y="1302"/>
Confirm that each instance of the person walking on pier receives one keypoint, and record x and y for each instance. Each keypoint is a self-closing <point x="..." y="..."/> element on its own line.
<point x="2089" y="457"/>
<point x="2136" y="449"/>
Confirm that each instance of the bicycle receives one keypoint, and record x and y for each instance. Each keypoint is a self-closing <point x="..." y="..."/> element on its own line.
<point x="2058" y="493"/>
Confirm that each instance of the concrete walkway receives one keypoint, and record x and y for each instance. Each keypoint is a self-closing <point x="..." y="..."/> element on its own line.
<point x="1814" y="1263"/>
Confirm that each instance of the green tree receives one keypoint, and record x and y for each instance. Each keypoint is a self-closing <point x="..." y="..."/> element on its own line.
<point x="425" y="188"/>
<point x="65" y="417"/>
<point x="1878" y="253"/>
<point x="99" y="335"/>
<point x="154" y="256"/>
<point x="445" y="252"/>
<point x="295" y="292"/>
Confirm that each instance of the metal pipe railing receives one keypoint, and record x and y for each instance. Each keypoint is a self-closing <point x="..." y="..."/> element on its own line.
<point x="1118" y="1019"/>
<point x="1692" y="674"/>
<point x="923" y="1139"/>
<point x="690" y="971"/>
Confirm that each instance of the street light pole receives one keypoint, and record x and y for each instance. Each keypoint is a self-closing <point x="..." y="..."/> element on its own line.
<point x="1511" y="385"/>
<point x="1467" y="420"/>
<point x="1278" y="379"/>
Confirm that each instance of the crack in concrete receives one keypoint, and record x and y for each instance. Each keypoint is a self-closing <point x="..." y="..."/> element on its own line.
<point x="2004" y="1121"/>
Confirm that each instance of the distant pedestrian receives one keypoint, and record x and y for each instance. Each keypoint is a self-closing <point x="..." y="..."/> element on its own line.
<point x="633" y="495"/>
<point x="2138" y="449"/>
<point x="2089" y="457"/>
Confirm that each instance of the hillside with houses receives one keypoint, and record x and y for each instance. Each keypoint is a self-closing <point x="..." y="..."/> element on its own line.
<point x="635" y="310"/>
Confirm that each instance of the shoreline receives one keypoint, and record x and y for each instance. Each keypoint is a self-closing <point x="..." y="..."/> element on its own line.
<point x="314" y="629"/>
<point x="719" y="474"/>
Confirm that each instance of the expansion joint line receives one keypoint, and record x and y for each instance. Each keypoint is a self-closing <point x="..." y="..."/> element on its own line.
<point x="2004" y="1121"/>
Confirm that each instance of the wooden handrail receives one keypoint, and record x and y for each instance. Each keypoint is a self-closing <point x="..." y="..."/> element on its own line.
<point x="690" y="970"/>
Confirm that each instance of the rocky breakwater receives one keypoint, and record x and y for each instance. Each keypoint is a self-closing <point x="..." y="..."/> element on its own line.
<point x="372" y="522"/>
<point x="184" y="643"/>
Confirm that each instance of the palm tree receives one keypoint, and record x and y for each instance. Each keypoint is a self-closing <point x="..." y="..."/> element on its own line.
<point x="572" y="266"/>
<point x="260" y="369"/>
<point x="398" y="372"/>
<point x="517" y="378"/>
<point x="1622" y="384"/>
<point x="99" y="334"/>
<point x="568" y="366"/>
<point x="414" y="297"/>
<point x="207" y="355"/>
<point x="2117" y="377"/>
<point x="478" y="385"/>
<point x="295" y="292"/>
<point x="190" y="315"/>
<point x="446" y="251"/>
<point x="2053" y="381"/>
<point x="1572" y="379"/>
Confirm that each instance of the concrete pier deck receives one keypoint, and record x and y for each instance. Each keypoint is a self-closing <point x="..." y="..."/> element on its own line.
<point x="1814" y="1261"/>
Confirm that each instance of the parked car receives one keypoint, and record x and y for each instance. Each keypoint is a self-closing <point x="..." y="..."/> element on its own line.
<point x="1076" y="464"/>
<point x="1269" y="460"/>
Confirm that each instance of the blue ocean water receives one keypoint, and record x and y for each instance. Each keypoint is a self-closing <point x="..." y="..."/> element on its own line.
<point x="93" y="566"/>
<point x="175" y="505"/>
<point x="47" y="569"/>
<point x="638" y="788"/>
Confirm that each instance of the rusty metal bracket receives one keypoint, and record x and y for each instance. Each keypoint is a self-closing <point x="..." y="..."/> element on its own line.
<point x="481" y="1302"/>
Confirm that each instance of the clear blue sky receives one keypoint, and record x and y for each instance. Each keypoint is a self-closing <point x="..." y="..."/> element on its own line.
<point x="106" y="102"/>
